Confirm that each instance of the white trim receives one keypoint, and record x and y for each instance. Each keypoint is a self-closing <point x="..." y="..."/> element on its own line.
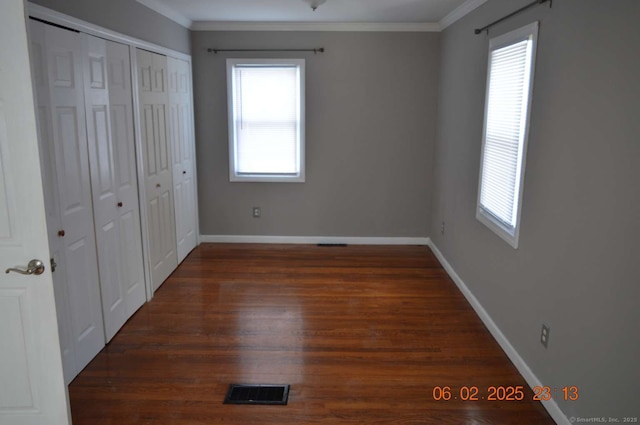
<point x="192" y="122"/>
<point x="316" y="26"/>
<point x="167" y="12"/>
<point x="510" y="351"/>
<point x="460" y="12"/>
<point x="54" y="17"/>
<point x="349" y="240"/>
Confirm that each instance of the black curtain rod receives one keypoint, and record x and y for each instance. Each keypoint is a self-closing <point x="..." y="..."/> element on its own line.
<point x="522" y="9"/>
<point x="318" y="50"/>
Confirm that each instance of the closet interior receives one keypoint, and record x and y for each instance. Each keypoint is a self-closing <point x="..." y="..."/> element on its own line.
<point x="117" y="157"/>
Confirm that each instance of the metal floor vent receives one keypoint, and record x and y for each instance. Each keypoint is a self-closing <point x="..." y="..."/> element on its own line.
<point x="257" y="394"/>
<point x="329" y="245"/>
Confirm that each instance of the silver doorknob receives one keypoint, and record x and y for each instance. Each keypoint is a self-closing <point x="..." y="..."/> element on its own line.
<point x="34" y="267"/>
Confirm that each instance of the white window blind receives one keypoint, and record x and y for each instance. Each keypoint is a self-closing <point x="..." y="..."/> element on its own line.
<point x="505" y="132"/>
<point x="265" y="121"/>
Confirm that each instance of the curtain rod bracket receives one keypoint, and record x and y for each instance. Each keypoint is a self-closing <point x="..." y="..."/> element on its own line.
<point x="522" y="9"/>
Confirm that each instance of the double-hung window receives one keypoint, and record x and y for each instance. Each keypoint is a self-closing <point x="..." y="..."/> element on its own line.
<point x="266" y="119"/>
<point x="506" y="130"/>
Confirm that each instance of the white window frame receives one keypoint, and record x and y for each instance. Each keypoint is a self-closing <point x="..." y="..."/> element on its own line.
<point x="510" y="235"/>
<point x="235" y="176"/>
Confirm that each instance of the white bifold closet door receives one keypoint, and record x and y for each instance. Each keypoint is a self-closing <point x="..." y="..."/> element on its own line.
<point x="183" y="152"/>
<point x="153" y="96"/>
<point x="107" y="82"/>
<point x="85" y="115"/>
<point x="58" y="68"/>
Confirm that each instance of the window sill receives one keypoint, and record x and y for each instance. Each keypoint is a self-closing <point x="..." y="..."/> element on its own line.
<point x="261" y="178"/>
<point x="499" y="229"/>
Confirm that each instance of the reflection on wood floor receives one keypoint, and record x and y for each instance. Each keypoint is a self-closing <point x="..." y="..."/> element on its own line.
<point x="363" y="334"/>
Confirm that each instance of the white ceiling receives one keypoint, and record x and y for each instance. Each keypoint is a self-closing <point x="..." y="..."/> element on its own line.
<point x="430" y="14"/>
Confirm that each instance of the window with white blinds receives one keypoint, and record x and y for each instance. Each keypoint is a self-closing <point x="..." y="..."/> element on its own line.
<point x="266" y="119"/>
<point x="507" y="110"/>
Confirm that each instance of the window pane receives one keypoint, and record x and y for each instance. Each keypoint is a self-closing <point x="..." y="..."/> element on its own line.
<point x="266" y="103"/>
<point x="504" y="131"/>
<point x="267" y="149"/>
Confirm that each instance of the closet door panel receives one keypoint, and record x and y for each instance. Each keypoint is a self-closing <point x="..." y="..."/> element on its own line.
<point x="103" y="182"/>
<point x="182" y="143"/>
<point x="158" y="179"/>
<point x="131" y="261"/>
<point x="65" y="83"/>
<point x="130" y="238"/>
<point x="38" y="52"/>
<point x="114" y="181"/>
<point x="87" y="326"/>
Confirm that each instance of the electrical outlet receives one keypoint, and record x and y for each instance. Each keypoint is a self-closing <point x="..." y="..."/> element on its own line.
<point x="442" y="228"/>
<point x="256" y="212"/>
<point x="544" y="336"/>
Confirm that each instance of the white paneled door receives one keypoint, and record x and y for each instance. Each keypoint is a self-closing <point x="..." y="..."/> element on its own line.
<point x="158" y="179"/>
<point x="103" y="181"/>
<point x="183" y="152"/>
<point x="124" y="157"/>
<point x="32" y="389"/>
<point x="107" y="85"/>
<point x="49" y="181"/>
<point x="58" y="54"/>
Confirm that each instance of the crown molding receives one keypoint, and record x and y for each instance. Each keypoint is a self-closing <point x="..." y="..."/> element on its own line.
<point x="316" y="26"/>
<point x="176" y="17"/>
<point x="460" y="12"/>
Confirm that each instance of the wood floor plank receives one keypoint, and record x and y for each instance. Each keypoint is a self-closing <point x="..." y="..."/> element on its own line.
<point x="362" y="333"/>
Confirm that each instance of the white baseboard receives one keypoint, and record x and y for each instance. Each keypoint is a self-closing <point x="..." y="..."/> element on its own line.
<point x="349" y="240"/>
<point x="526" y="372"/>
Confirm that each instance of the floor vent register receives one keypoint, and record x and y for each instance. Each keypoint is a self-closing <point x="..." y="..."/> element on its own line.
<point x="257" y="394"/>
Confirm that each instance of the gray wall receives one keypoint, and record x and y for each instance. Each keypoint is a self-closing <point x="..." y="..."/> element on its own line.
<point x="127" y="17"/>
<point x="577" y="265"/>
<point x="370" y="110"/>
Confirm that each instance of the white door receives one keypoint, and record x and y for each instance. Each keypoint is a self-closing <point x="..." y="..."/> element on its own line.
<point x="111" y="157"/>
<point x="50" y="186"/>
<point x="32" y="389"/>
<point x="78" y="271"/>
<point x="103" y="182"/>
<point x="182" y="143"/>
<point x="124" y="155"/>
<point x="154" y="104"/>
<point x="103" y="185"/>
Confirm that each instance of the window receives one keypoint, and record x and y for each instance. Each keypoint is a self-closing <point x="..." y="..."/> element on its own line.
<point x="266" y="120"/>
<point x="506" y="129"/>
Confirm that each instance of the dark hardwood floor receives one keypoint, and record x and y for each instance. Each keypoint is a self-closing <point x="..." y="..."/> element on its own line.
<point x="362" y="334"/>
